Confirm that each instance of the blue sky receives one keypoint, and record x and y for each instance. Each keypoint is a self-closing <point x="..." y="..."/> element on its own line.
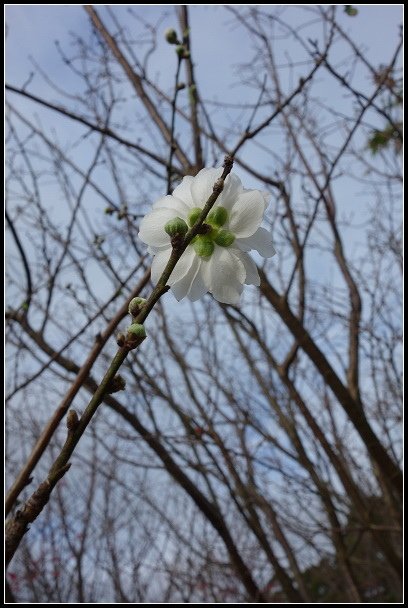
<point x="218" y="51"/>
<point x="32" y="31"/>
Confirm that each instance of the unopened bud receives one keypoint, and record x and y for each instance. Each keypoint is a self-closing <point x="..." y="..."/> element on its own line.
<point x="118" y="384"/>
<point x="224" y="238"/>
<point x="193" y="215"/>
<point x="218" y="216"/>
<point x="182" y="52"/>
<point x="203" y="246"/>
<point x="176" y="227"/>
<point x="135" y="305"/>
<point x="171" y="36"/>
<point x="72" y="420"/>
<point x="120" y="339"/>
<point x="136" y="330"/>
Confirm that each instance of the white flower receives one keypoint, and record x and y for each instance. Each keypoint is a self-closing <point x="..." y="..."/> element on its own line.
<point x="216" y="260"/>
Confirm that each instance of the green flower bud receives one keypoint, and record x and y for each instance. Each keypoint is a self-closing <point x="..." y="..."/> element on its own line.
<point x="135" y="305"/>
<point x="137" y="330"/>
<point x="217" y="216"/>
<point x="224" y="238"/>
<point x="171" y="36"/>
<point x="176" y="227"/>
<point x="203" y="246"/>
<point x="194" y="215"/>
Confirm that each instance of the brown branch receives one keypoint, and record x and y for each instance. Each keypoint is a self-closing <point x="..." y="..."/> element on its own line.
<point x="353" y="409"/>
<point x="209" y="509"/>
<point x="42" y="442"/>
<point x="137" y="84"/>
<point x="192" y="88"/>
<point x="91" y="125"/>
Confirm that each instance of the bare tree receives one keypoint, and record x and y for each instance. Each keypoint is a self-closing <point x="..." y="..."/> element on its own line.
<point x="255" y="454"/>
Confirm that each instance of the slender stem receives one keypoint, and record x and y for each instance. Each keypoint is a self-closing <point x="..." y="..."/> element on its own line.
<point x="173" y="124"/>
<point x="23" y="478"/>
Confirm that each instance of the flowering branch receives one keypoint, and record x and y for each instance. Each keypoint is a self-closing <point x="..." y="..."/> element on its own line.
<point x="23" y="478"/>
<point x="17" y="526"/>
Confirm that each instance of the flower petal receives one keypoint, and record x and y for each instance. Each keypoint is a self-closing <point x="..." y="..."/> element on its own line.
<point x="173" y="203"/>
<point x="159" y="263"/>
<point x="198" y="286"/>
<point x="261" y="240"/>
<point x="152" y="225"/>
<point x="183" y="266"/>
<point x="252" y="275"/>
<point x="231" y="192"/>
<point x="247" y="213"/>
<point x="183" y="191"/>
<point x="225" y="273"/>
<point x="202" y="185"/>
<point x="192" y="284"/>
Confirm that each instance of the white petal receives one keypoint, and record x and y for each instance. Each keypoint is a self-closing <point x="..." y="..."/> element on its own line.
<point x="225" y="273"/>
<point x="202" y="185"/>
<point x="192" y="284"/>
<point x="159" y="263"/>
<point x="183" y="265"/>
<point x="198" y="286"/>
<point x="152" y="227"/>
<point x="153" y="250"/>
<point x="265" y="195"/>
<point x="172" y="203"/>
<point x="182" y="287"/>
<point x="252" y="275"/>
<point x="230" y="194"/>
<point x="247" y="213"/>
<point x="183" y="191"/>
<point x="261" y="241"/>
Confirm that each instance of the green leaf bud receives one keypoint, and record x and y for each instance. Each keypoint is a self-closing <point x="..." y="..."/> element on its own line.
<point x="217" y="216"/>
<point x="176" y="227"/>
<point x="224" y="238"/>
<point x="203" y="246"/>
